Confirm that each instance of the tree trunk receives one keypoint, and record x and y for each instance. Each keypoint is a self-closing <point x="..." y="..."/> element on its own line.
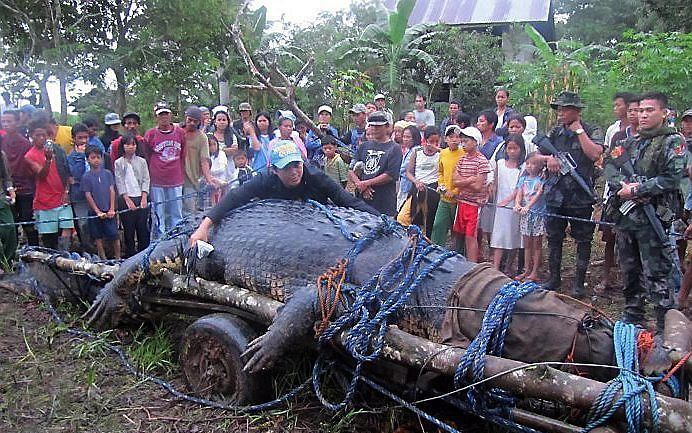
<point x="62" y="79"/>
<point x="224" y="88"/>
<point x="45" y="99"/>
<point x="121" y="90"/>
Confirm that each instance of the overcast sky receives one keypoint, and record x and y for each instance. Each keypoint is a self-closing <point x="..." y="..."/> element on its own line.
<point x="299" y="12"/>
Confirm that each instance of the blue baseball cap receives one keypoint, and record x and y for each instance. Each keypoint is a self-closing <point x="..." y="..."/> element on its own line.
<point x="28" y="109"/>
<point x="283" y="153"/>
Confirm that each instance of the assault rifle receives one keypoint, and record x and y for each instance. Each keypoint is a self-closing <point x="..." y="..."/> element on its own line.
<point x="567" y="163"/>
<point x="625" y="165"/>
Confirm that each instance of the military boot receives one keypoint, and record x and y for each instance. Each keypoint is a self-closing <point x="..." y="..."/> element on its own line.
<point x="583" y="256"/>
<point x="554" y="263"/>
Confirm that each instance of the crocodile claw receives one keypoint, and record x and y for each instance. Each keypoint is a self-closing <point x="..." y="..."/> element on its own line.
<point x="261" y="355"/>
<point x="105" y="309"/>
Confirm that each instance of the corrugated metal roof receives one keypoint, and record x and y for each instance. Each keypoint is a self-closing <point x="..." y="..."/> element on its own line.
<point x="476" y="11"/>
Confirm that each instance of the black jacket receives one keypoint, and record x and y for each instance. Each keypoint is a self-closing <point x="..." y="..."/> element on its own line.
<point x="314" y="185"/>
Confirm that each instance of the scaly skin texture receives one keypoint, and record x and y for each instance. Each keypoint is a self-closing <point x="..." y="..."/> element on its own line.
<point x="278" y="249"/>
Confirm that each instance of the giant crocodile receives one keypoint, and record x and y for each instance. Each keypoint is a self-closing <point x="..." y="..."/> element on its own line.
<point x="279" y="248"/>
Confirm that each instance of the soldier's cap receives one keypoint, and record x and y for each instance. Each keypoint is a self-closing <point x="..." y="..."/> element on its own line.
<point x="687" y="113"/>
<point x="567" y="99"/>
<point x="378" y="118"/>
<point x="283" y="153"/>
<point x="358" y="108"/>
<point x="244" y="106"/>
<point x="472" y="132"/>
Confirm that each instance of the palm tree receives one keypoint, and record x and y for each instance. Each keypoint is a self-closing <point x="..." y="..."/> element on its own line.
<point x="393" y="46"/>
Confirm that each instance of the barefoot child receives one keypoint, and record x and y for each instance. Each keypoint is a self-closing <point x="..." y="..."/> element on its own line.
<point x="98" y="185"/>
<point x="470" y="175"/>
<point x="423" y="171"/>
<point x="506" y="236"/>
<point x="530" y="204"/>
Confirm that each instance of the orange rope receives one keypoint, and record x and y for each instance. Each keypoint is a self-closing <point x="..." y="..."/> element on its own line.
<point x="329" y="293"/>
<point x="645" y="342"/>
<point x="589" y="306"/>
<point x="677" y="366"/>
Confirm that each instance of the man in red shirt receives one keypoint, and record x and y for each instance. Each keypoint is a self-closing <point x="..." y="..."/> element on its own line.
<point x="165" y="149"/>
<point x="51" y="201"/>
<point x="15" y="146"/>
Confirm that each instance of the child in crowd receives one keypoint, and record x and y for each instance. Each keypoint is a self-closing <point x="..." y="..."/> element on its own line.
<point x="423" y="170"/>
<point x="98" y="185"/>
<point x="530" y="204"/>
<point x="506" y="236"/>
<point x="219" y="169"/>
<point x="243" y="172"/>
<point x="470" y="176"/>
<point x="132" y="180"/>
<point x="334" y="167"/>
<point x="447" y="207"/>
<point x="77" y="164"/>
<point x="48" y="162"/>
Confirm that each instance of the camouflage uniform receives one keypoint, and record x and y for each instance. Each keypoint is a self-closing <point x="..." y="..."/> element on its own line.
<point x="564" y="196"/>
<point x="658" y="156"/>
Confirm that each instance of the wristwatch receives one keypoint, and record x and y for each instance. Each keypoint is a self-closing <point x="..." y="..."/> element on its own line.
<point x="579" y="131"/>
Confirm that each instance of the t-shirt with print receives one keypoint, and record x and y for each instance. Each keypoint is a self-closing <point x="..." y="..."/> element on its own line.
<point x="196" y="151"/>
<point x="50" y="189"/>
<point x="381" y="158"/>
<point x="165" y="155"/>
<point x="530" y="186"/>
<point x="473" y="165"/>
<point x="98" y="183"/>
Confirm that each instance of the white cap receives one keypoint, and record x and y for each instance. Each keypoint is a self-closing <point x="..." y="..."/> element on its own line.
<point x="326" y="108"/>
<point x="378" y="96"/>
<point x="473" y="132"/>
<point x="219" y="108"/>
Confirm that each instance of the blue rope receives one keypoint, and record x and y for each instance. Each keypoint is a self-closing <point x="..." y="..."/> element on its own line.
<point x="375" y="303"/>
<point x="495" y="402"/>
<point x="629" y="383"/>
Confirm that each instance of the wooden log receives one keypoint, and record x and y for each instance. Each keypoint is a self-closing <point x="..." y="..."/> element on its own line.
<point x="540" y="382"/>
<point x="677" y="336"/>
<point x="100" y="271"/>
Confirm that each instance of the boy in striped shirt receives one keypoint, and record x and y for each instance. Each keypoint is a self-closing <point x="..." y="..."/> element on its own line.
<point x="470" y="176"/>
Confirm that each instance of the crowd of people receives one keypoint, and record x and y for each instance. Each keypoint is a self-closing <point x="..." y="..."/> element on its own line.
<point x="490" y="188"/>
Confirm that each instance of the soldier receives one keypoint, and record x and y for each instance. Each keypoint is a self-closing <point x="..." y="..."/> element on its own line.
<point x="563" y="195"/>
<point x="657" y="157"/>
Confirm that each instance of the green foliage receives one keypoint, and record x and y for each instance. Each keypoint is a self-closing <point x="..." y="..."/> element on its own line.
<point x="640" y="63"/>
<point x="348" y="88"/>
<point x="469" y="61"/>
<point x="597" y="22"/>
<point x="660" y="62"/>
<point x="390" y="50"/>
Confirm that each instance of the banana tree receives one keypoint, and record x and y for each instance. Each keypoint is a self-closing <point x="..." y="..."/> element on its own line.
<point x="393" y="47"/>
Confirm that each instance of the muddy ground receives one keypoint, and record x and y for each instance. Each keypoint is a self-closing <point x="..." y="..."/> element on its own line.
<point x="52" y="382"/>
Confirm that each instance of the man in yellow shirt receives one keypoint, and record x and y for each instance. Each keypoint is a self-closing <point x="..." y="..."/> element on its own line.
<point x="61" y="135"/>
<point x="447" y="208"/>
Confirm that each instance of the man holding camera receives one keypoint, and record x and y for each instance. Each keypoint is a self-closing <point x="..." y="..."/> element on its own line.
<point x="583" y="145"/>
